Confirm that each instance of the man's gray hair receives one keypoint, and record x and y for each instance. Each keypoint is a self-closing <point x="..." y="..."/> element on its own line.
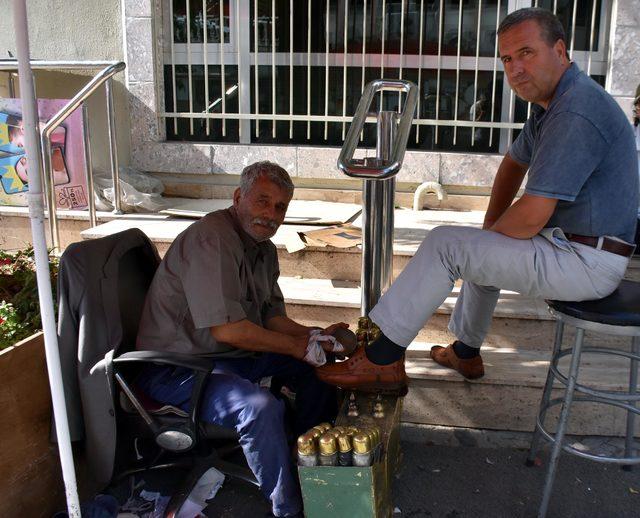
<point x="551" y="29"/>
<point x="269" y="170"/>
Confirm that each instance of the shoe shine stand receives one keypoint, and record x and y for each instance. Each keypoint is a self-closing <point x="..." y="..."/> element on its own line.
<point x="354" y="492"/>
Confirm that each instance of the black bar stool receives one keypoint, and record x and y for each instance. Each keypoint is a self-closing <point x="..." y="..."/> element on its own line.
<point x="617" y="314"/>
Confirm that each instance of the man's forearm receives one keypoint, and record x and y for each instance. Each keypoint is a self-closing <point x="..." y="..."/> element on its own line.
<point x="505" y="187"/>
<point x="247" y="335"/>
<point x="283" y="324"/>
<point x="526" y="217"/>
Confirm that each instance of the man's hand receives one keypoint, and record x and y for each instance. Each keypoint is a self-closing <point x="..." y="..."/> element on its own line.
<point x="332" y="328"/>
<point x="488" y="223"/>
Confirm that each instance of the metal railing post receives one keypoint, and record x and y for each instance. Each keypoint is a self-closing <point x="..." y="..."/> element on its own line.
<point x="113" y="148"/>
<point x="378" y="189"/>
<point x="86" y="131"/>
<point x="50" y="191"/>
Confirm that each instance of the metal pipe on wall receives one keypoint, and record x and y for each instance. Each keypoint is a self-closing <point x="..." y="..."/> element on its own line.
<point x="93" y="220"/>
<point x="113" y="149"/>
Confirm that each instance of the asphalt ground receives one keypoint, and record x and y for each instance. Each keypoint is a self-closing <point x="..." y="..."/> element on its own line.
<point x="441" y="481"/>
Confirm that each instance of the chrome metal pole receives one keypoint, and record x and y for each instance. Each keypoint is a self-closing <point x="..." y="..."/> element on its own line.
<point x="86" y="131"/>
<point x="377" y="219"/>
<point x="113" y="148"/>
<point x="386" y="131"/>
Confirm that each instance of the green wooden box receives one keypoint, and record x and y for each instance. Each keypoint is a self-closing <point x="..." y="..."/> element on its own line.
<point x="356" y="492"/>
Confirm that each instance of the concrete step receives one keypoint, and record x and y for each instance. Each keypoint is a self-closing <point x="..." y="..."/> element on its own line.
<point x="507" y="397"/>
<point x="342" y="190"/>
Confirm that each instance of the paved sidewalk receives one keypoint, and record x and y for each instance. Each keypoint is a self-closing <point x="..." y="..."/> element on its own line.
<point x="456" y="482"/>
<point x="479" y="474"/>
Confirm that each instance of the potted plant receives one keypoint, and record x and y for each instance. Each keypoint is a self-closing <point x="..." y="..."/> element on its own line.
<point x="19" y="309"/>
<point x="30" y="477"/>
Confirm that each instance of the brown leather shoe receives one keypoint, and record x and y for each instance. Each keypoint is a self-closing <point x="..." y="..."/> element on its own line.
<point x="359" y="373"/>
<point x="472" y="368"/>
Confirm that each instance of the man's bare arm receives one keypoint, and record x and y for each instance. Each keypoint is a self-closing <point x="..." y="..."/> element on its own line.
<point x="526" y="217"/>
<point x="249" y="336"/>
<point x="505" y="187"/>
<point x="283" y="324"/>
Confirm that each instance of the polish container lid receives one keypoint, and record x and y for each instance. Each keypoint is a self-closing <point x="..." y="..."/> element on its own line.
<point x="328" y="444"/>
<point x="306" y="445"/>
<point x="344" y="444"/>
<point x="361" y="443"/>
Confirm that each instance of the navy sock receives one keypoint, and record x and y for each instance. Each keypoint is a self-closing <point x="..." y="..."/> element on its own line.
<point x="465" y="352"/>
<point x="383" y="351"/>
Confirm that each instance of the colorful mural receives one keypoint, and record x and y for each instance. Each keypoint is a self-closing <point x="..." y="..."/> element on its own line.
<point x="67" y="155"/>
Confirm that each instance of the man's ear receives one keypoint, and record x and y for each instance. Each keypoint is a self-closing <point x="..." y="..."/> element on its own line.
<point x="561" y="49"/>
<point x="236" y="197"/>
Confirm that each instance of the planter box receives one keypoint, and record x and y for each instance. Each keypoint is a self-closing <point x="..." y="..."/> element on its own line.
<point x="30" y="475"/>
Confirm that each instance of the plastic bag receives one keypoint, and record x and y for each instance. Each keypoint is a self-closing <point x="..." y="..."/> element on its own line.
<point x="140" y="192"/>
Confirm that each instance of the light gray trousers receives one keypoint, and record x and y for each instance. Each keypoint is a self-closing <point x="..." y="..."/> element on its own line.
<point x="546" y="266"/>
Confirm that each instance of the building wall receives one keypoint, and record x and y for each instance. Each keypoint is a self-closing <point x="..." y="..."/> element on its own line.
<point x="75" y="31"/>
<point x="458" y="171"/>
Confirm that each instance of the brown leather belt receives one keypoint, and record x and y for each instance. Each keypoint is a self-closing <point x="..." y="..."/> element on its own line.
<point x="605" y="243"/>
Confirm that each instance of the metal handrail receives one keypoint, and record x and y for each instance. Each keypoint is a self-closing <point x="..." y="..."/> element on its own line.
<point x="109" y="69"/>
<point x="103" y="77"/>
<point x="12" y="64"/>
<point x="376" y="168"/>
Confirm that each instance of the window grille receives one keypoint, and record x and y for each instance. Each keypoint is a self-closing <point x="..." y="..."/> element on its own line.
<point x="291" y="72"/>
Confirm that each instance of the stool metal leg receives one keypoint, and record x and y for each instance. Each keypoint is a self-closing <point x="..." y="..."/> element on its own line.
<point x="546" y="395"/>
<point x="633" y="387"/>
<point x="562" y="423"/>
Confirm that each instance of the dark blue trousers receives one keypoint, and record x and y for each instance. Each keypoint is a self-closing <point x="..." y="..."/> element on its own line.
<point x="233" y="399"/>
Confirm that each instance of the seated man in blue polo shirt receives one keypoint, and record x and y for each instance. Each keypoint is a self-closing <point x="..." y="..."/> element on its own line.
<point x="566" y="238"/>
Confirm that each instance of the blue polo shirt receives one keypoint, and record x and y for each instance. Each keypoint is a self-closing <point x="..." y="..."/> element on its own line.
<point x="581" y="151"/>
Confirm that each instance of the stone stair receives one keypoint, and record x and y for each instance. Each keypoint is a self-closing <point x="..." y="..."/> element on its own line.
<point x="321" y="286"/>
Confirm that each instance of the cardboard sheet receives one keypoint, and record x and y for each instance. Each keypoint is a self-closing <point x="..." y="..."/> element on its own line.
<point x="342" y="236"/>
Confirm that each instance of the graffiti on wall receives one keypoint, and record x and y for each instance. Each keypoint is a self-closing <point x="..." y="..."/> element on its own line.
<point x="67" y="155"/>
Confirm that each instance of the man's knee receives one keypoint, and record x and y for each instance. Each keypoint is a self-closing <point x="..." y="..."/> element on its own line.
<point x="261" y="404"/>
<point x="440" y="238"/>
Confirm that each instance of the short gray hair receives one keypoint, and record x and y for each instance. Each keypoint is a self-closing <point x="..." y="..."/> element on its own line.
<point x="269" y="170"/>
<point x="551" y="28"/>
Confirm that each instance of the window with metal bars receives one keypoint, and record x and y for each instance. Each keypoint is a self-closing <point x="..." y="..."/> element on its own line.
<point x="291" y="72"/>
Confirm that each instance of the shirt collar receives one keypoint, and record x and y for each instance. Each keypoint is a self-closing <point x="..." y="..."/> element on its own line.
<point x="567" y="79"/>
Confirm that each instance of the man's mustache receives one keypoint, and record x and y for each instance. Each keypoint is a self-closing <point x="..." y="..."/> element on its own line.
<point x="265" y="222"/>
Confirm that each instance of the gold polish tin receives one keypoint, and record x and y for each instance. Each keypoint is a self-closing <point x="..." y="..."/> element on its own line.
<point x="344" y="443"/>
<point x="376" y="435"/>
<point x="362" y="443"/>
<point x="328" y="444"/>
<point x="306" y="445"/>
<point x="315" y="433"/>
<point x="323" y="426"/>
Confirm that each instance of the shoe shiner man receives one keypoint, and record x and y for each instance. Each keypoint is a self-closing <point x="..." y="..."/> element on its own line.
<point x="566" y="238"/>
<point x="216" y="293"/>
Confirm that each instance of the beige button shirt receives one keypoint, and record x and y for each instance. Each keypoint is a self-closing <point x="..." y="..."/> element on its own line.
<point x="213" y="273"/>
